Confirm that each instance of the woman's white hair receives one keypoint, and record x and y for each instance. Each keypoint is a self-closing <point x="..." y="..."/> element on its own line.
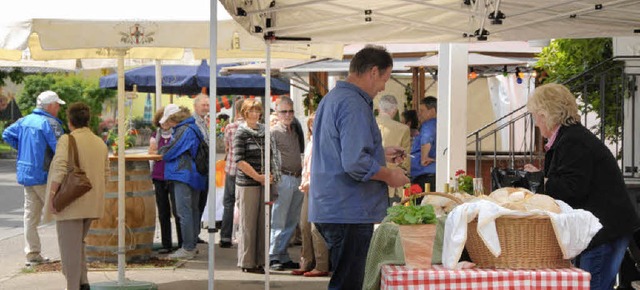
<point x="556" y="104"/>
<point x="388" y="104"/>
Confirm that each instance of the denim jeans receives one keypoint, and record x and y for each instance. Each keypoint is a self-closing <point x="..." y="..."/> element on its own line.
<point x="187" y="207"/>
<point x="285" y="216"/>
<point x="603" y="262"/>
<point x="166" y="203"/>
<point x="348" y="245"/>
<point x="229" y="202"/>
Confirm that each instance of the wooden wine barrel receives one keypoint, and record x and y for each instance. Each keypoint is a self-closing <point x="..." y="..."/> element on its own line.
<point x="101" y="243"/>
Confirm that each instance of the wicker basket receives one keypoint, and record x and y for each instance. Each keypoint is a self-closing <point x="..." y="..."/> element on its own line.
<point x="526" y="242"/>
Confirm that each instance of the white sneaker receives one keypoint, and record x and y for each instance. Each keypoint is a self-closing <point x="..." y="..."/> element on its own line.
<point x="183" y="254"/>
<point x="36" y="260"/>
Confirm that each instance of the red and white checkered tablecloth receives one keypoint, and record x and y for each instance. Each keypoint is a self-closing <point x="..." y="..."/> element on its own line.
<point x="396" y="277"/>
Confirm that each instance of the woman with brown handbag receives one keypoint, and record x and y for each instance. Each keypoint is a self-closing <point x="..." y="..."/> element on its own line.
<point x="73" y="222"/>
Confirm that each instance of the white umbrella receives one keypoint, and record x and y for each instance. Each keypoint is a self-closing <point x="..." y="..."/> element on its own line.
<point x="49" y="39"/>
<point x="105" y="39"/>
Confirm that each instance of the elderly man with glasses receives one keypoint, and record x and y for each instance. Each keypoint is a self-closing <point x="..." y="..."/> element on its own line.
<point x="286" y="209"/>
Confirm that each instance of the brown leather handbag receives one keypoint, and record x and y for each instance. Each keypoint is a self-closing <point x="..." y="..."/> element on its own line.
<point x="75" y="184"/>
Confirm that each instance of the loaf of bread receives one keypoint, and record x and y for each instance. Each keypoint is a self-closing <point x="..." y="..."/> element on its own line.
<point x="524" y="200"/>
<point x="542" y="202"/>
<point x="443" y="205"/>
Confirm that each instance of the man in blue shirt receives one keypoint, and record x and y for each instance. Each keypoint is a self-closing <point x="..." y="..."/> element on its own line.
<point x="423" y="149"/>
<point x="35" y="137"/>
<point x="349" y="179"/>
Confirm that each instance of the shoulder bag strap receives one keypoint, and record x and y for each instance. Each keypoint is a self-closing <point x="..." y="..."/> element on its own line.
<point x="73" y="154"/>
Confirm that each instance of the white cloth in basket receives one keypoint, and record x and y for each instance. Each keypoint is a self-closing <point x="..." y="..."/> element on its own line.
<point x="574" y="228"/>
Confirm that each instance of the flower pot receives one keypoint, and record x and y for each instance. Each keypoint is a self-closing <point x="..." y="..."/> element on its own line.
<point x="417" y="244"/>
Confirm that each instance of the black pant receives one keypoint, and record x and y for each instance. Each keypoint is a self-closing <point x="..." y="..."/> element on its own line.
<point x="202" y="203"/>
<point x="166" y="203"/>
<point x="425" y="178"/>
<point x="229" y="202"/>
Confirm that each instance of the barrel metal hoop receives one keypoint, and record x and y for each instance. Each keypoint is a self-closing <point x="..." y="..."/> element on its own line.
<point x="130" y="194"/>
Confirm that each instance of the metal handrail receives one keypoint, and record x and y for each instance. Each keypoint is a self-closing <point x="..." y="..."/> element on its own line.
<point x="478" y="136"/>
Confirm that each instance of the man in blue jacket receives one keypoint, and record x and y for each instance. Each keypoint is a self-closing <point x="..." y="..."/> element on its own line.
<point x="349" y="177"/>
<point x="423" y="149"/>
<point x="35" y="137"/>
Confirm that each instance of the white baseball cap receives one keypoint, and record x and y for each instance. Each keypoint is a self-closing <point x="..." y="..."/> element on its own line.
<point x="48" y="97"/>
<point x="169" y="110"/>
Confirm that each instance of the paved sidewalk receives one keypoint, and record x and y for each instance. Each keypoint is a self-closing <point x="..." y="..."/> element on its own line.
<point x="189" y="275"/>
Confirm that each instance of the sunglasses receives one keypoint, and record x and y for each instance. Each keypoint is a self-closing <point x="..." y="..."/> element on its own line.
<point x="285" y="111"/>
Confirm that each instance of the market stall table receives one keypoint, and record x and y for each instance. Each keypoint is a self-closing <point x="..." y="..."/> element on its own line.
<point x="398" y="277"/>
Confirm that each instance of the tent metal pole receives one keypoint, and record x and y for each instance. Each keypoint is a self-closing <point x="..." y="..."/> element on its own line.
<point x="158" y="64"/>
<point x="213" y="56"/>
<point x="285" y="7"/>
<point x="267" y="163"/>
<point x="121" y="170"/>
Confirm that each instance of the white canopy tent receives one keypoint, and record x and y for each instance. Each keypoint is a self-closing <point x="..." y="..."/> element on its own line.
<point x="451" y="23"/>
<point x="436" y="21"/>
<point x="475" y="59"/>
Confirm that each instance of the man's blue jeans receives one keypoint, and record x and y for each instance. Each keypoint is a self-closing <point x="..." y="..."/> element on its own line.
<point x="603" y="262"/>
<point x="348" y="245"/>
<point x="285" y="216"/>
<point x="187" y="207"/>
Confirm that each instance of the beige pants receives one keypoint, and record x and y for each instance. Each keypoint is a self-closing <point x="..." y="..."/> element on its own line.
<point x="71" y="234"/>
<point x="34" y="197"/>
<point x="314" y="247"/>
<point x="252" y="227"/>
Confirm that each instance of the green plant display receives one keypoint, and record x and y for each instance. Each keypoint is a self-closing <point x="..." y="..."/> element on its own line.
<point x="129" y="137"/>
<point x="465" y="182"/>
<point x="410" y="213"/>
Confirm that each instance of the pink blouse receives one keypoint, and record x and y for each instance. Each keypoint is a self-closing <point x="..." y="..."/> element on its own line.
<point x="306" y="166"/>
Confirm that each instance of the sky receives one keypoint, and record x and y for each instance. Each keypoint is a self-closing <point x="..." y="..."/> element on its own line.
<point x="111" y="10"/>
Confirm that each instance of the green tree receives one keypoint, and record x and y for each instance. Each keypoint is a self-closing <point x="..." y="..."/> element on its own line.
<point x="16" y="75"/>
<point x="564" y="59"/>
<point x="71" y="89"/>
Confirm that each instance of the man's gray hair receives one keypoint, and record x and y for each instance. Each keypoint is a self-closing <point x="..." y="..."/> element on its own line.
<point x="285" y="100"/>
<point x="388" y="104"/>
<point x="199" y="98"/>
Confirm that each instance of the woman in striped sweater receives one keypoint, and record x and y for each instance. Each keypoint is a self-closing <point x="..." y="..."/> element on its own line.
<point x="248" y="153"/>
